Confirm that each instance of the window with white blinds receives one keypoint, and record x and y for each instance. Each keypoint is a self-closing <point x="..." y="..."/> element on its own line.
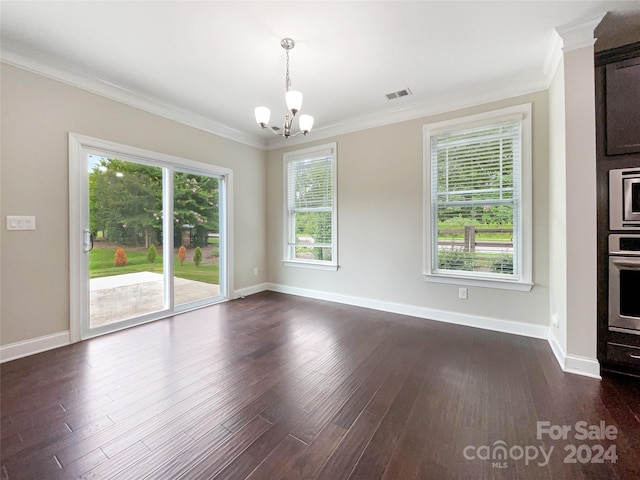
<point x="310" y="214"/>
<point x="478" y="203"/>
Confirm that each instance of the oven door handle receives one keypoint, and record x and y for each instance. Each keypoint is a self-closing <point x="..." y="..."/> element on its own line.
<point x="633" y="262"/>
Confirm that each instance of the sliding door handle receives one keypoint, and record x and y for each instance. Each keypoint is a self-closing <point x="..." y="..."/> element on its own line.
<point x="88" y="241"/>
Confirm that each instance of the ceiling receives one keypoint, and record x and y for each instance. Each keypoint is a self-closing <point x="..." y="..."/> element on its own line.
<point x="209" y="64"/>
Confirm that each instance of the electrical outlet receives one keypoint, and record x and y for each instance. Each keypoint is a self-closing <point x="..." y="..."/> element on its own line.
<point x="554" y="320"/>
<point x="462" y="293"/>
<point x="255" y="271"/>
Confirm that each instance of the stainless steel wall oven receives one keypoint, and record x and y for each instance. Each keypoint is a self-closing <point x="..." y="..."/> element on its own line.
<point x="624" y="199"/>
<point x="624" y="283"/>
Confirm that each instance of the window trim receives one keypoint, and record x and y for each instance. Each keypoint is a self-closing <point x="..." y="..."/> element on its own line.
<point x="330" y="148"/>
<point x="524" y="282"/>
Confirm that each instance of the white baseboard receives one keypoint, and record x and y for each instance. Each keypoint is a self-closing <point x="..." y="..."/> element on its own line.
<point x="242" y="292"/>
<point x="588" y="367"/>
<point x="486" y="323"/>
<point x="557" y="350"/>
<point x="24" y="348"/>
<point x="568" y="363"/>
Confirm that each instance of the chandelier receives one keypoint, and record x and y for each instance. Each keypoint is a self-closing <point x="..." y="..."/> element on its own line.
<point x="293" y="99"/>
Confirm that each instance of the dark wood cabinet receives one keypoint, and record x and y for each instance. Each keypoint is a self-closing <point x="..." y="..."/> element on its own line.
<point x="622" y="85"/>
<point x="617" y="83"/>
<point x="623" y="354"/>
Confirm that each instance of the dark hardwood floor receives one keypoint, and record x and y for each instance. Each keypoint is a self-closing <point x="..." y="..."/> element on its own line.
<point x="276" y="386"/>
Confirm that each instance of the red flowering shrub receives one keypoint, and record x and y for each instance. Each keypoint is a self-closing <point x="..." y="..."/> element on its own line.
<point x="120" y="258"/>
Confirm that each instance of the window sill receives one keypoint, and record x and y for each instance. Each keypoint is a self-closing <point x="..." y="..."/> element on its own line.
<point x="521" y="286"/>
<point x="312" y="265"/>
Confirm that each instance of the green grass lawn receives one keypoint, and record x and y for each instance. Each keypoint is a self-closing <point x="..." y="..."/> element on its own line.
<point x="101" y="265"/>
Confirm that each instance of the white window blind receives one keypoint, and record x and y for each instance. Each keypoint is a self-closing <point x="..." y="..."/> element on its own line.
<point x="310" y="201"/>
<point x="475" y="200"/>
<point x="476" y="167"/>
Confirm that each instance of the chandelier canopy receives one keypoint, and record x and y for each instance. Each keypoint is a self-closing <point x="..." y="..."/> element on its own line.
<point x="293" y="99"/>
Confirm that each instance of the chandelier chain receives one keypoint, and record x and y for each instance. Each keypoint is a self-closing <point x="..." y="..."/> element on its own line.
<point x="287" y="80"/>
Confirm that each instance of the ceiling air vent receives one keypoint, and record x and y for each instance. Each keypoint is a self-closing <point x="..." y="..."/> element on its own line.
<point x="399" y="93"/>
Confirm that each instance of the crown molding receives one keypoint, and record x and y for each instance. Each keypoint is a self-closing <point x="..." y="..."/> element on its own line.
<point x="566" y="38"/>
<point x="579" y="34"/>
<point x="435" y="106"/>
<point x="128" y="97"/>
<point x="553" y="57"/>
<point x="466" y="98"/>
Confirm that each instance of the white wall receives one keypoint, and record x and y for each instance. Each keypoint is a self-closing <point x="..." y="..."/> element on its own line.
<point x="380" y="224"/>
<point x="581" y="202"/>
<point x="379" y="198"/>
<point x="37" y="114"/>
<point x="572" y="209"/>
<point x="558" y="208"/>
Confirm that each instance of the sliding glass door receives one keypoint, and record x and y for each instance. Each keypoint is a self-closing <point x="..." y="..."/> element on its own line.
<point x="196" y="236"/>
<point x="126" y="277"/>
<point x="149" y="238"/>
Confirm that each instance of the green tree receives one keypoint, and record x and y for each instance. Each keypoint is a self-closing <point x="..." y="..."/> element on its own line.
<point x="195" y="199"/>
<point x="152" y="253"/>
<point x="124" y="200"/>
<point x="197" y="256"/>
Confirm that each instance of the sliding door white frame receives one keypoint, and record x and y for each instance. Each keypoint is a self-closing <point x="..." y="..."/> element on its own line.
<point x="79" y="147"/>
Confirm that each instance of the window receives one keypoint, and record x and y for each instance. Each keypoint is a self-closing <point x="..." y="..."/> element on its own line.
<point x="478" y="200"/>
<point x="310" y="207"/>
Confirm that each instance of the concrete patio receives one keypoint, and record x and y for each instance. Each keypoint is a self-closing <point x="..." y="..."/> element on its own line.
<point x="120" y="297"/>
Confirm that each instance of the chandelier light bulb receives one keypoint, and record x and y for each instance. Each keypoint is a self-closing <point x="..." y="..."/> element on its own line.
<point x="262" y="116"/>
<point x="306" y="122"/>
<point x="294" y="101"/>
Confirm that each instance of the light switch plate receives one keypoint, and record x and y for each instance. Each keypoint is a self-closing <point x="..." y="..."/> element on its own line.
<point x="21" y="222"/>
